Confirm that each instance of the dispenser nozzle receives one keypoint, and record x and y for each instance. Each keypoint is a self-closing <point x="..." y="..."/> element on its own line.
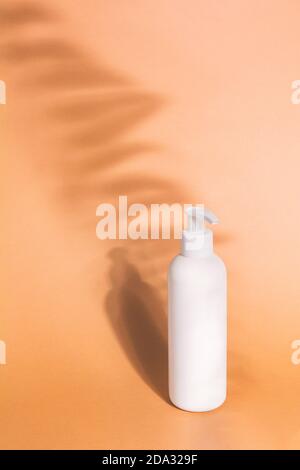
<point x="197" y="216"/>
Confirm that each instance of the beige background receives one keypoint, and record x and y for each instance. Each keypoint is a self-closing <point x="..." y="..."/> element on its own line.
<point x="165" y="101"/>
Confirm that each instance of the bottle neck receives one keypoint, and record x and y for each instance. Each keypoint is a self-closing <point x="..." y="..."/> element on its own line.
<point x="197" y="244"/>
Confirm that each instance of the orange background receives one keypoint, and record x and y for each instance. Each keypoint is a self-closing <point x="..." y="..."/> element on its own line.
<point x="165" y="101"/>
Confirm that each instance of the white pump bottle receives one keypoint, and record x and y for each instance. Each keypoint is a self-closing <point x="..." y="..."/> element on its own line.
<point x="197" y="319"/>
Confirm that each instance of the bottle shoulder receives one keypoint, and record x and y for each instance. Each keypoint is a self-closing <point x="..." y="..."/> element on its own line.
<point x="220" y="262"/>
<point x="186" y="267"/>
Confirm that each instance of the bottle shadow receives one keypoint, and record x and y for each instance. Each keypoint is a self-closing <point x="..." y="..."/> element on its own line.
<point x="136" y="314"/>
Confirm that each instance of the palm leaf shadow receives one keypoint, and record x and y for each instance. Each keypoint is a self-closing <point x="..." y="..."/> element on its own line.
<point x="92" y="111"/>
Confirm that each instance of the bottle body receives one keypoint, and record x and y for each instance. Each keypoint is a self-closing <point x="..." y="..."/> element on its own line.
<point x="197" y="332"/>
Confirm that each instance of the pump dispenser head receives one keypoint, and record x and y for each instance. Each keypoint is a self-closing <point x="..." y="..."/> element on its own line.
<point x="197" y="240"/>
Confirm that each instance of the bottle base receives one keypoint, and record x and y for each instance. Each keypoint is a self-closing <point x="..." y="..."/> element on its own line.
<point x="198" y="409"/>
